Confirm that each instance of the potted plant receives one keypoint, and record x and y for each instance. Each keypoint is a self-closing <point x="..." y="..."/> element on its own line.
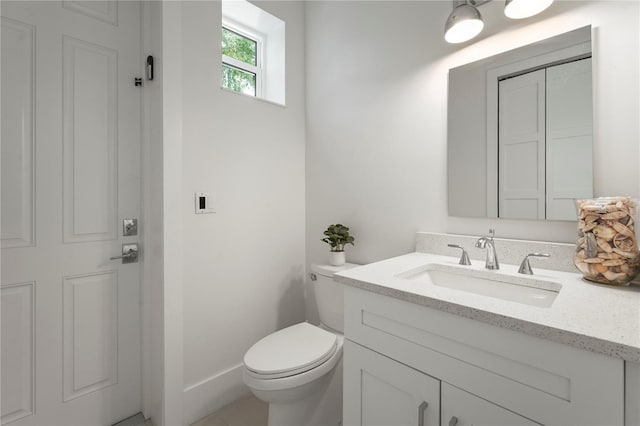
<point x="337" y="236"/>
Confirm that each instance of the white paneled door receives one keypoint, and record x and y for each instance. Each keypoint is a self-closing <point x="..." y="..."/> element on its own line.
<point x="521" y="147"/>
<point x="569" y="137"/>
<point x="70" y="175"/>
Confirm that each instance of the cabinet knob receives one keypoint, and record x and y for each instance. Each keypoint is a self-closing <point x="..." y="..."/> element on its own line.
<point x="453" y="421"/>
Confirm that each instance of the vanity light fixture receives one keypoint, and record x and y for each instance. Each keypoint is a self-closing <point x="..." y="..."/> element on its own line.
<point x="465" y="21"/>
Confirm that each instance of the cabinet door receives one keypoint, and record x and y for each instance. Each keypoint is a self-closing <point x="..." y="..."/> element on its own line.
<point x="381" y="391"/>
<point x="460" y="408"/>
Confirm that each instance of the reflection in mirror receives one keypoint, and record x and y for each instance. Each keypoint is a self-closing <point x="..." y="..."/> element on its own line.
<point x="520" y="131"/>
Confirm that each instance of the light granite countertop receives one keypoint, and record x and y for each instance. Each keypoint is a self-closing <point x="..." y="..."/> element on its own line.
<point x="586" y="315"/>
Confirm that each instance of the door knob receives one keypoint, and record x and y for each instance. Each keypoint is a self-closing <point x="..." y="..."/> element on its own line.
<point x="129" y="254"/>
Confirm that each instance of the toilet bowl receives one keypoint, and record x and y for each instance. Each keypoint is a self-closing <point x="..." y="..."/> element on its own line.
<point x="298" y="370"/>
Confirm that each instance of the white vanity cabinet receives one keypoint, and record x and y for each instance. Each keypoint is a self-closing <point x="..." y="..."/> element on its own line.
<point x="399" y="354"/>
<point x="381" y="391"/>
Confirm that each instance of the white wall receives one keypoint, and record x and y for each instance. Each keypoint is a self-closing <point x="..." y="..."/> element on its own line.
<point x="377" y="115"/>
<point x="243" y="267"/>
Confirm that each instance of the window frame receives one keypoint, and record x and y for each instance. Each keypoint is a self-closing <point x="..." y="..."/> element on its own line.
<point x="258" y="69"/>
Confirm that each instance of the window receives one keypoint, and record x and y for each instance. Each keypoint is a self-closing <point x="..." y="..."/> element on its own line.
<point x="253" y="51"/>
<point x="241" y="61"/>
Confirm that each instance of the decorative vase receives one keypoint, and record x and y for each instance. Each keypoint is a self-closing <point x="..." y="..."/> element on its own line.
<point x="337" y="258"/>
<point x="607" y="250"/>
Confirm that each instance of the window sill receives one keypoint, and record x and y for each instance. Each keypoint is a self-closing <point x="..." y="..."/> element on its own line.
<point x="224" y="89"/>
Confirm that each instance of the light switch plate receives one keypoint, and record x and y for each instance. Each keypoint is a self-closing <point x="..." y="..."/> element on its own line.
<point x="204" y="203"/>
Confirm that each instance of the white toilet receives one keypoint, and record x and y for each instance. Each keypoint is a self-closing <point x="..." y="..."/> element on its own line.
<point x="298" y="370"/>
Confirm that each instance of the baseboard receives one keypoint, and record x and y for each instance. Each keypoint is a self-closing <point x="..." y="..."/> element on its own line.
<point x="209" y="395"/>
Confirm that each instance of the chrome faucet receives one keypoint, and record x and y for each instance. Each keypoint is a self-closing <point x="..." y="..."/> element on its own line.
<point x="492" y="257"/>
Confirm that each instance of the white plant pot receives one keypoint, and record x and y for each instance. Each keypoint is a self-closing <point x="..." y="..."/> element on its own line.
<point x="337" y="258"/>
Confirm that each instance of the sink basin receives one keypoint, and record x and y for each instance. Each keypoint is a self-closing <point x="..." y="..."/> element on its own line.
<point x="526" y="290"/>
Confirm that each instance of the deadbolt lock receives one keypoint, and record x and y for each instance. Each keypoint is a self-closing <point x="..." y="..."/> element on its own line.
<point x="129" y="227"/>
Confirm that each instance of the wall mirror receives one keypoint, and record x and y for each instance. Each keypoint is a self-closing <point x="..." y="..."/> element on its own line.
<point x="520" y="131"/>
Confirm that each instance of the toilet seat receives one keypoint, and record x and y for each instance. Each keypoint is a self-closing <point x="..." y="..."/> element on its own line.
<point x="300" y="376"/>
<point x="290" y="351"/>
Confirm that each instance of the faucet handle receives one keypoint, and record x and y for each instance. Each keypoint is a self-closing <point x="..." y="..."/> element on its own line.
<point x="464" y="258"/>
<point x="525" y="267"/>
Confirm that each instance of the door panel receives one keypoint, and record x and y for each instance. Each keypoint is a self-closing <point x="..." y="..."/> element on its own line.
<point x="569" y="138"/>
<point x="18" y="114"/>
<point x="18" y="358"/>
<point x="90" y="334"/>
<point x="70" y="174"/>
<point x="460" y="408"/>
<point x="106" y="11"/>
<point x="90" y="116"/>
<point x="521" y="147"/>
<point x="384" y="392"/>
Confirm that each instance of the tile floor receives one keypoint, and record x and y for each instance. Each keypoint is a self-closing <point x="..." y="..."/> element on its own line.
<point x="247" y="411"/>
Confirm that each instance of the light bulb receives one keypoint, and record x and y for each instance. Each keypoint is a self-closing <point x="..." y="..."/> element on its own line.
<point x="519" y="9"/>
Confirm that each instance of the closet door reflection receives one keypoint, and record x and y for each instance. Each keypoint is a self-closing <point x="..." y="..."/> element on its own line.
<point x="569" y="138"/>
<point x="545" y="142"/>
<point x="521" y="147"/>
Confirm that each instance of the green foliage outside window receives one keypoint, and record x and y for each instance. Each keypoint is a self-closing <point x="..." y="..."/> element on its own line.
<point x="238" y="80"/>
<point x="245" y="50"/>
<point x="239" y="47"/>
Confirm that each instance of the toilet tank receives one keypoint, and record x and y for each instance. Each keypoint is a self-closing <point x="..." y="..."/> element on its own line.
<point x="329" y="295"/>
